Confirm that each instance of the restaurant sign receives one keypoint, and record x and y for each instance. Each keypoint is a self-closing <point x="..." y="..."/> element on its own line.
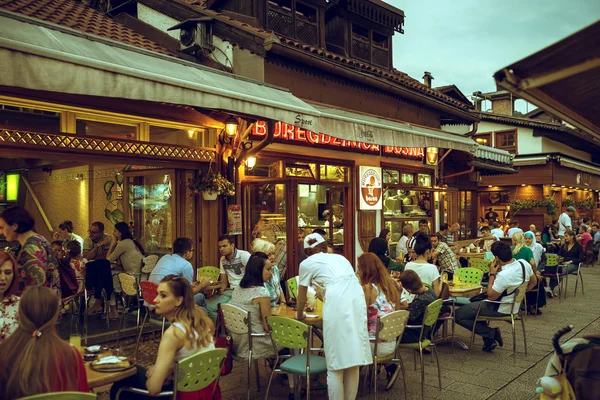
<point x="371" y="189"/>
<point x="292" y="134"/>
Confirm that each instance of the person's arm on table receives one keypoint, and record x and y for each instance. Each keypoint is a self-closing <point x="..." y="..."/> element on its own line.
<point x="265" y="310"/>
<point x="301" y="302"/>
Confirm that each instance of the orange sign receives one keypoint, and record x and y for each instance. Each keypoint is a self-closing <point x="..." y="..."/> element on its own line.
<point x="290" y="133"/>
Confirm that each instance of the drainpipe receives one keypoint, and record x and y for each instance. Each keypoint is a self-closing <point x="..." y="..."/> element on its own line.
<point x="474" y="130"/>
<point x="261" y="145"/>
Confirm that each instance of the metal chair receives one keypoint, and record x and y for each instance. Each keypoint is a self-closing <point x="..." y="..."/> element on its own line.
<point x="62" y="396"/>
<point x="292" y="287"/>
<point x="578" y="277"/>
<point x="470" y="275"/>
<point x="238" y="321"/>
<point x="130" y="289"/>
<point x="518" y="298"/>
<point x="149" y="293"/>
<point x="552" y="261"/>
<point x="389" y="327"/>
<point x="425" y="340"/>
<point x="191" y="374"/>
<point x="148" y="264"/>
<point x="294" y="335"/>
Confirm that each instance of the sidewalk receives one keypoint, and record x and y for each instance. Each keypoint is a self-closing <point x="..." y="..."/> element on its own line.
<point x="494" y="376"/>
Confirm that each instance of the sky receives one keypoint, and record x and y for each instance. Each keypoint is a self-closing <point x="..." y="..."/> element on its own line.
<point x="464" y="42"/>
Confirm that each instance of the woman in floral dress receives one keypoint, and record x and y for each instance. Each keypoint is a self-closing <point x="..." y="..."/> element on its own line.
<point x="9" y="299"/>
<point x="37" y="263"/>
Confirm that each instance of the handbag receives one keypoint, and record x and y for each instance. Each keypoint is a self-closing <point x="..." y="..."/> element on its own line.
<point x="222" y="341"/>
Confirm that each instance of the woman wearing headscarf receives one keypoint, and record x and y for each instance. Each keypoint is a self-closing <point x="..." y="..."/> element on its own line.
<point x="379" y="246"/>
<point x="532" y="296"/>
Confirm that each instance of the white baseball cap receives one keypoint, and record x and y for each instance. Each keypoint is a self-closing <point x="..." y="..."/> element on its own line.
<point x="319" y="239"/>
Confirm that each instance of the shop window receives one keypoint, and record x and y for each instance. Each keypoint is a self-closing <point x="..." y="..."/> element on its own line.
<point x="391" y="176"/>
<point x="29" y="119"/>
<point x="267" y="215"/>
<point x="301" y="170"/>
<point x="265" y="167"/>
<point x="399" y="203"/>
<point x="507" y="141"/>
<point x="333" y="173"/>
<point x="408" y="179"/>
<point x="106" y="129"/>
<point x="396" y="228"/>
<point x="424" y="179"/>
<point x="182" y="137"/>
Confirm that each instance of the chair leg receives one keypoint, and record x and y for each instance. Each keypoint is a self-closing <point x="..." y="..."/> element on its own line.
<point x="437" y="361"/>
<point x="257" y="374"/>
<point x="524" y="335"/>
<point x="375" y="375"/>
<point x="512" y="321"/>
<point x="566" y="283"/>
<point x="137" y="344"/>
<point x="422" y="371"/>
<point x="403" y="375"/>
<point x="119" y="328"/>
<point x="472" y="337"/>
<point x="581" y="277"/>
<point x="249" y="371"/>
<point x="415" y="358"/>
<point x="271" y="379"/>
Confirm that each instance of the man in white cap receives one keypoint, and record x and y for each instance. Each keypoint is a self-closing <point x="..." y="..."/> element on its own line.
<point x="564" y="221"/>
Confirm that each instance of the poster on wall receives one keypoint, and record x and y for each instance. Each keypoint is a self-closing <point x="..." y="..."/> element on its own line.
<point x="234" y="219"/>
<point x="370" y="188"/>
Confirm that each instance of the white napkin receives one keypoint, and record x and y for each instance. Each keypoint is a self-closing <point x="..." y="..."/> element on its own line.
<point x="93" y="349"/>
<point x="110" y="360"/>
<point x="312" y="316"/>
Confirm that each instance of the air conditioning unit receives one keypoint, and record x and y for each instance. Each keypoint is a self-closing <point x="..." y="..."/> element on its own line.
<point x="195" y="35"/>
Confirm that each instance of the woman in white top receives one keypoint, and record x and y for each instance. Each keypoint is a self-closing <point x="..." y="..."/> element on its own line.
<point x="344" y="316"/>
<point x="402" y="248"/>
<point x="191" y="332"/>
<point x="428" y="273"/>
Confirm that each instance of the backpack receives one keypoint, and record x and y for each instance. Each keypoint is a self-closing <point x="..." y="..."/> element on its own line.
<point x="583" y="369"/>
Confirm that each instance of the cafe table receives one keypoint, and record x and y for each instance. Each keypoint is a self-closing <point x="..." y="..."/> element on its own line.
<point x="96" y="379"/>
<point x="312" y="317"/>
<point x="464" y="290"/>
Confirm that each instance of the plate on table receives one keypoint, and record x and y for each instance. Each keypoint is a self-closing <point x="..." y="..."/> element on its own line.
<point x="93" y="349"/>
<point x="113" y="364"/>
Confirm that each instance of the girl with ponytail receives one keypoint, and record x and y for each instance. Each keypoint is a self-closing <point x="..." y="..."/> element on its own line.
<point x="34" y="359"/>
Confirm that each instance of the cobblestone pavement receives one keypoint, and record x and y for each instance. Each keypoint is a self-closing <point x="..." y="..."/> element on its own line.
<point x="476" y="375"/>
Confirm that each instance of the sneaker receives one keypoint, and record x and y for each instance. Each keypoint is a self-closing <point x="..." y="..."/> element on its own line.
<point x="489" y="345"/>
<point x="392" y="375"/>
<point x="549" y="293"/>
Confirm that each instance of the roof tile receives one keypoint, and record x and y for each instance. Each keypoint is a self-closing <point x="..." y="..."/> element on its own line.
<point x="81" y="17"/>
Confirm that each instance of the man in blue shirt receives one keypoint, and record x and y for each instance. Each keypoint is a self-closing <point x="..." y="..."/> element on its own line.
<point x="596" y="231"/>
<point x="178" y="264"/>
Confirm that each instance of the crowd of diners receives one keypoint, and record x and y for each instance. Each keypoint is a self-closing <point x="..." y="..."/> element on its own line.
<point x="35" y="278"/>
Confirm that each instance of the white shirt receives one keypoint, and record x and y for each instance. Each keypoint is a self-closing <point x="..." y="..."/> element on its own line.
<point x="564" y="223"/>
<point x="499" y="233"/>
<point x="235" y="268"/>
<point x="512" y="231"/>
<point x="510" y="278"/>
<point x="402" y="245"/>
<point x="427" y="272"/>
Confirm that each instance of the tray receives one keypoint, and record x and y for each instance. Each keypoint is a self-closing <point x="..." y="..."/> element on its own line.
<point x="113" y="369"/>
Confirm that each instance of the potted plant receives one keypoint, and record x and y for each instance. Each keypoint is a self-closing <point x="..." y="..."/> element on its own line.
<point x="530" y="204"/>
<point x="587" y="204"/>
<point x="568" y="202"/>
<point x="210" y="184"/>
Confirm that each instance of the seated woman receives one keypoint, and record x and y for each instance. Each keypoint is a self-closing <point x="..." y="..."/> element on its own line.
<point x="537" y="251"/>
<point x="34" y="359"/>
<point x="571" y="253"/>
<point x="191" y="332"/>
<point x="382" y="295"/>
<point x="274" y="284"/>
<point x="428" y="273"/>
<point x="520" y="251"/>
<point x="379" y="247"/>
<point x="402" y="247"/>
<point x="9" y="289"/>
<point x="424" y="296"/>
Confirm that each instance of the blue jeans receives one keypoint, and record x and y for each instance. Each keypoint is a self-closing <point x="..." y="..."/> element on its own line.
<point x="213" y="304"/>
<point x="200" y="300"/>
<point x="570" y="269"/>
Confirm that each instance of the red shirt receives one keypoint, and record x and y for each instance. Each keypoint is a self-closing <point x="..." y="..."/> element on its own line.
<point x="64" y="376"/>
<point x="585" y="238"/>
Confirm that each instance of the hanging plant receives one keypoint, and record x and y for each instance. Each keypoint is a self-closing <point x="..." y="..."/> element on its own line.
<point x="587" y="204"/>
<point x="211" y="183"/>
<point x="529" y="204"/>
<point x="568" y="202"/>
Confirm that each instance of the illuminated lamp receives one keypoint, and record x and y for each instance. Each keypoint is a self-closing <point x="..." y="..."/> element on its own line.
<point x="231" y="126"/>
<point x="12" y="187"/>
<point x="250" y="162"/>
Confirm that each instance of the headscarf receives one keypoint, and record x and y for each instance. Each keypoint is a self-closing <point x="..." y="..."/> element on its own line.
<point x="379" y="246"/>
<point x="535" y="247"/>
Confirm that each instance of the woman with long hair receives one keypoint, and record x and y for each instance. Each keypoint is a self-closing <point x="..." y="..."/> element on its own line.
<point x="382" y="295"/>
<point x="379" y="247"/>
<point x="428" y="273"/>
<point x="37" y="263"/>
<point x="9" y="291"/>
<point x="191" y="332"/>
<point x="34" y="359"/>
<point x="570" y="253"/>
<point x="344" y="316"/>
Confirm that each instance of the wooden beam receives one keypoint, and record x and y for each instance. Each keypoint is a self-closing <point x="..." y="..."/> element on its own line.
<point x="561" y="74"/>
<point x="37" y="203"/>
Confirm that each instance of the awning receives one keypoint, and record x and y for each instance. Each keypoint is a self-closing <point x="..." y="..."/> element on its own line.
<point x="487" y="168"/>
<point x="523" y="161"/>
<point x="579" y="166"/>
<point x="351" y="125"/>
<point x="562" y="79"/>
<point x="493" y="154"/>
<point x="43" y="56"/>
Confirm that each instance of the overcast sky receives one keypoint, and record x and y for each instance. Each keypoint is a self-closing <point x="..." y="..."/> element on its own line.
<point x="464" y="42"/>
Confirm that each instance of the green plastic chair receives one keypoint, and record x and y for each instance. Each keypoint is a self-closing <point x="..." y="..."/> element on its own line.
<point x="479" y="263"/>
<point x="425" y="340"/>
<point x="470" y="275"/>
<point x="552" y="261"/>
<point x="518" y="298"/>
<point x="292" y="287"/>
<point x="238" y="321"/>
<point x="294" y="335"/>
<point x="193" y="373"/>
<point x="62" y="396"/>
<point x="389" y="327"/>
<point x="211" y="272"/>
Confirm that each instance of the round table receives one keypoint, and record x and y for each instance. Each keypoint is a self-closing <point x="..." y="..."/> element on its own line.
<point x="96" y="378"/>
<point x="283" y="310"/>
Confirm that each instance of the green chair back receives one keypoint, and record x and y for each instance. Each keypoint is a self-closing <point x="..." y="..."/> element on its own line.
<point x="469" y="275"/>
<point x="199" y="370"/>
<point x="288" y="332"/>
<point x="432" y="313"/>
<point x="62" y="396"/>
<point x="292" y="287"/>
<point x="479" y="263"/>
<point x="551" y="260"/>
<point x="211" y="272"/>
<point x="392" y="326"/>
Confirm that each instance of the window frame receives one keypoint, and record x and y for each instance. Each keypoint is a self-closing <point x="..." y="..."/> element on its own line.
<point x="498" y="139"/>
<point x="293" y="15"/>
<point x="485" y="135"/>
